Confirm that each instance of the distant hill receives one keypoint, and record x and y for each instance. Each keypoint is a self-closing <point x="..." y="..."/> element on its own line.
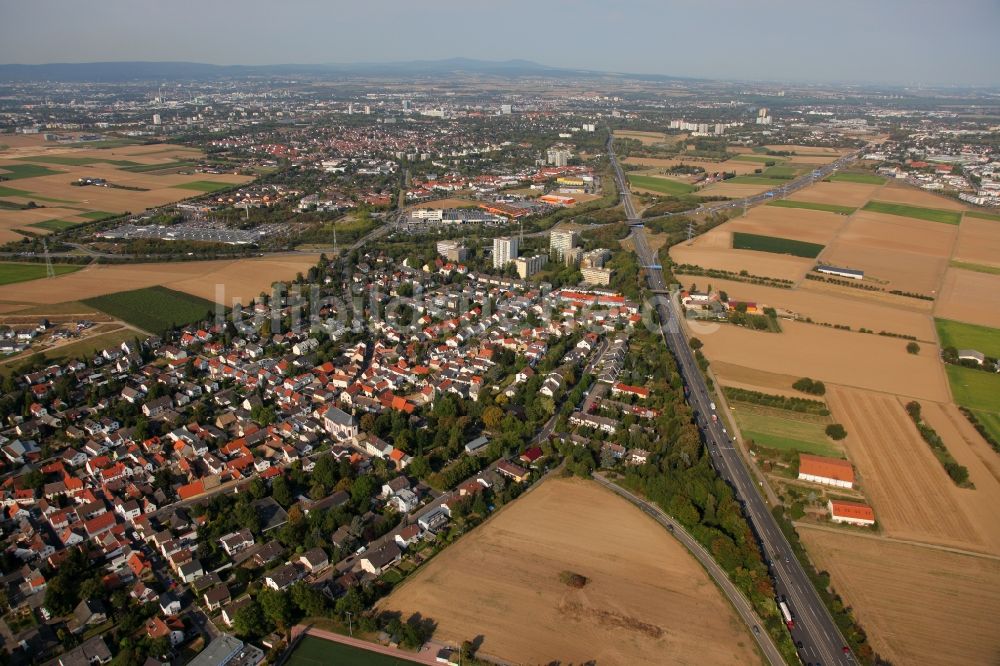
<point x="115" y="72"/>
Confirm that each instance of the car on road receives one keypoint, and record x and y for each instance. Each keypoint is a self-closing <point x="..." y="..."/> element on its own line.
<point x="798" y="644"/>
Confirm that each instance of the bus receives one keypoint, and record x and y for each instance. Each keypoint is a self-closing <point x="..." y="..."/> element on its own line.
<point x="786" y="614"/>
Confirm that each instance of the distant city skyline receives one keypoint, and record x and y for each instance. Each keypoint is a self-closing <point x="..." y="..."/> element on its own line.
<point x="891" y="41"/>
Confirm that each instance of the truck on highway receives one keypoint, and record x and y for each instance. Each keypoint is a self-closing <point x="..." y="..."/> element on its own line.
<point x="786" y="614"/>
<point x="712" y="406"/>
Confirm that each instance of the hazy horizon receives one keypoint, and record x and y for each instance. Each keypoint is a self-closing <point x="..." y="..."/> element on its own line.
<point x="894" y="41"/>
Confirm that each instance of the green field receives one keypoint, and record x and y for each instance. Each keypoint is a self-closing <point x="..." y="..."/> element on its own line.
<point x="780" y="172"/>
<point x="754" y="180"/>
<point x="55" y="225"/>
<point x="141" y="168"/>
<point x="775" y="244"/>
<point x="852" y="177"/>
<point x="17" y="171"/>
<point x="661" y="185"/>
<point x="975" y="389"/>
<point x="982" y="216"/>
<point x="979" y="268"/>
<point x="66" y="160"/>
<point x="990" y="421"/>
<point x="11" y="192"/>
<point x="312" y="651"/>
<point x="203" y="186"/>
<point x="775" y="432"/>
<point x="759" y="158"/>
<point x="153" y="309"/>
<point x="11" y="272"/>
<point x="829" y="208"/>
<point x="98" y="214"/>
<point x="929" y="214"/>
<point x="960" y="335"/>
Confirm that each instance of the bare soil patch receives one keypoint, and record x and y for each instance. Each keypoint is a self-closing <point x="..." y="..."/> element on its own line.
<point x="919" y="606"/>
<point x="646" y="597"/>
<point x="970" y="296"/>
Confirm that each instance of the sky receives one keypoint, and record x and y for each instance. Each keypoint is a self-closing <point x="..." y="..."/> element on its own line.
<point x="876" y="41"/>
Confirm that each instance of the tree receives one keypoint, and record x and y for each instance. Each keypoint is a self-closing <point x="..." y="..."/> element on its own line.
<point x="492" y="416"/>
<point x="309" y="600"/>
<point x="913" y="348"/>
<point x="277" y="606"/>
<point x="326" y="472"/>
<point x="280" y="491"/>
<point x="836" y="431"/>
<point x="250" y="620"/>
<point x="695" y="343"/>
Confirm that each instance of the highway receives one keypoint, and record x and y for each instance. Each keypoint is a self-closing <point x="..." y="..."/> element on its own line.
<point x="820" y="639"/>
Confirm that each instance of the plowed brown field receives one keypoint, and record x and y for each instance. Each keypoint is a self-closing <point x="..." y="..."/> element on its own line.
<point x="647" y="600"/>
<point x="919" y="605"/>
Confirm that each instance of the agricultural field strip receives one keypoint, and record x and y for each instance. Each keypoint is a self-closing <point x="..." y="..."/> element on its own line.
<point x="917" y="212"/>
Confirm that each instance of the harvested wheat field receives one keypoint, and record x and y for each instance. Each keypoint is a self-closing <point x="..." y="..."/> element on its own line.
<point x="647" y="138"/>
<point x="978" y="241"/>
<point x="740" y="376"/>
<point x="710" y="255"/>
<point x="902" y="193"/>
<point x="919" y="605"/>
<point x="892" y="269"/>
<point x="808" y="150"/>
<point x="970" y="296"/>
<point x="796" y="223"/>
<point x="908" y="487"/>
<point x="902" y="234"/>
<point x="840" y="194"/>
<point x="842" y="357"/>
<point x="740" y="167"/>
<point x="970" y="449"/>
<point x="647" y="603"/>
<point x="241" y="279"/>
<point x="826" y="307"/>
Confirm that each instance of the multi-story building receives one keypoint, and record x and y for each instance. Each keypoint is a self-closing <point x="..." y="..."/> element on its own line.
<point x="528" y="266"/>
<point x="504" y="250"/>
<point x="558" y="155"/>
<point x="595" y="258"/>
<point x="453" y="250"/>
<point x="600" y="276"/>
<point x="561" y="241"/>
